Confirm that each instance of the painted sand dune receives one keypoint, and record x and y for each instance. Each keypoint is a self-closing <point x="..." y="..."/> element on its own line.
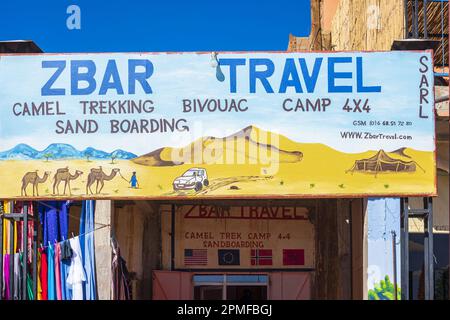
<point x="244" y="146"/>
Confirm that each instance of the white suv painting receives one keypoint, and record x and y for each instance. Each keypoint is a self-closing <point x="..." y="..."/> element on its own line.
<point x="194" y="178"/>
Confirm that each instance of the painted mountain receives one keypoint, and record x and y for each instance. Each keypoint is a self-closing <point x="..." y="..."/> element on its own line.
<point x="61" y="151"/>
<point x="249" y="138"/>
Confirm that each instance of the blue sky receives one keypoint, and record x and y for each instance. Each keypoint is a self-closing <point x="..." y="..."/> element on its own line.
<point x="133" y="25"/>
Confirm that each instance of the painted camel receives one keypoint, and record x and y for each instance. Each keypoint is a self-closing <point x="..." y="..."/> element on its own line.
<point x="99" y="177"/>
<point x="33" y="179"/>
<point x="63" y="174"/>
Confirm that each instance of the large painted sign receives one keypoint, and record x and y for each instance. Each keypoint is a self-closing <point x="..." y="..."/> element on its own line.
<point x="216" y="125"/>
<point x="243" y="237"/>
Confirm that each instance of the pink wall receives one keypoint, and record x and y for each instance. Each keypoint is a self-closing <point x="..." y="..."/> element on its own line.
<point x="176" y="285"/>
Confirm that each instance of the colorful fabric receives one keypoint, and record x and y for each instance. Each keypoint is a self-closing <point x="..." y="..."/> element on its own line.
<point x="51" y="273"/>
<point x="63" y="220"/>
<point x="6" y="228"/>
<point x="44" y="274"/>
<point x="53" y="216"/>
<point x="77" y="275"/>
<point x="6" y="282"/>
<point x="15" y="236"/>
<point x="58" y="271"/>
<point x="87" y="248"/>
<point x="30" y="232"/>
<point x="39" y="283"/>
<point x="66" y="251"/>
<point x="66" y="257"/>
<point x="19" y="207"/>
<point x="66" y="289"/>
<point x="30" y="294"/>
<point x="17" y="283"/>
<point x="54" y="220"/>
<point x="48" y="214"/>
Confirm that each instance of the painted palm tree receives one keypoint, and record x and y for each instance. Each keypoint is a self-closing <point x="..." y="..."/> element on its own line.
<point x="63" y="174"/>
<point x="33" y="179"/>
<point x="99" y="177"/>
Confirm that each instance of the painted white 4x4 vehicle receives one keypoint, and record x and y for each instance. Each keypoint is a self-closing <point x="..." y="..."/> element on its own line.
<point x="194" y="178"/>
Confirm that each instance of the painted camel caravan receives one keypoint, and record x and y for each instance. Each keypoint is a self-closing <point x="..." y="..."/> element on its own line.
<point x="33" y="179"/>
<point x="63" y="174"/>
<point x="96" y="176"/>
<point x="99" y="177"/>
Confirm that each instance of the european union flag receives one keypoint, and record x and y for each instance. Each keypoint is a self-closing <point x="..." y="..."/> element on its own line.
<point x="229" y="257"/>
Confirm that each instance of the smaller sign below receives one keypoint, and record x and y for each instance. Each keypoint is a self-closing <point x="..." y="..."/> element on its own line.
<point x="243" y="237"/>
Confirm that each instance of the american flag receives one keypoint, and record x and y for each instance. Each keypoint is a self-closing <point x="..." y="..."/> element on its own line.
<point x="195" y="257"/>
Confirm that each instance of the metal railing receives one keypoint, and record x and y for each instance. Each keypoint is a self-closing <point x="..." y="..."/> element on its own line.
<point x="428" y="20"/>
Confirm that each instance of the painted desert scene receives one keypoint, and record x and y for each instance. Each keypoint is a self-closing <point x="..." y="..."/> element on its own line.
<point x="251" y="162"/>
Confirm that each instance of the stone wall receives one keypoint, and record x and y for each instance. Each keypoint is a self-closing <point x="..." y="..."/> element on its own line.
<point x="367" y="24"/>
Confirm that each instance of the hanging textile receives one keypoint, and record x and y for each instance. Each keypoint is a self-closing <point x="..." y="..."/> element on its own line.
<point x="16" y="266"/>
<point x="63" y="220"/>
<point x="53" y="216"/>
<point x="87" y="248"/>
<point x="51" y="273"/>
<point x="77" y="275"/>
<point x="17" y="290"/>
<point x="58" y="271"/>
<point x="6" y="282"/>
<point x="66" y="258"/>
<point x="121" y="281"/>
<point x="44" y="274"/>
<point x="39" y="283"/>
<point x="16" y="232"/>
<point x="6" y="228"/>
<point x="63" y="281"/>
<point x="19" y="206"/>
<point x="30" y="294"/>
<point x="48" y="215"/>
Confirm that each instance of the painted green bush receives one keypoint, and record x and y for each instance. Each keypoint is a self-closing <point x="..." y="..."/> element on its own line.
<point x="384" y="290"/>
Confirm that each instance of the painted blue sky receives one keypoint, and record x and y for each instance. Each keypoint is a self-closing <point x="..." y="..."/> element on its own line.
<point x="177" y="25"/>
<point x="384" y="217"/>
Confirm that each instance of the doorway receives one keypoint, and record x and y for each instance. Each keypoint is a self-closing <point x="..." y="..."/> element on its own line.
<point x="230" y="287"/>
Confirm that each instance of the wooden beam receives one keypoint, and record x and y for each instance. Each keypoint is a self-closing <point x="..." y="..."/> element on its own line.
<point x="102" y="244"/>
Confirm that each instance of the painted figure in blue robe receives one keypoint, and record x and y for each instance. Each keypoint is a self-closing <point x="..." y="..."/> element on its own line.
<point x="134" y="182"/>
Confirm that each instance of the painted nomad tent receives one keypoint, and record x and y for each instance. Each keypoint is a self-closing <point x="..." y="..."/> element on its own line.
<point x="382" y="162"/>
